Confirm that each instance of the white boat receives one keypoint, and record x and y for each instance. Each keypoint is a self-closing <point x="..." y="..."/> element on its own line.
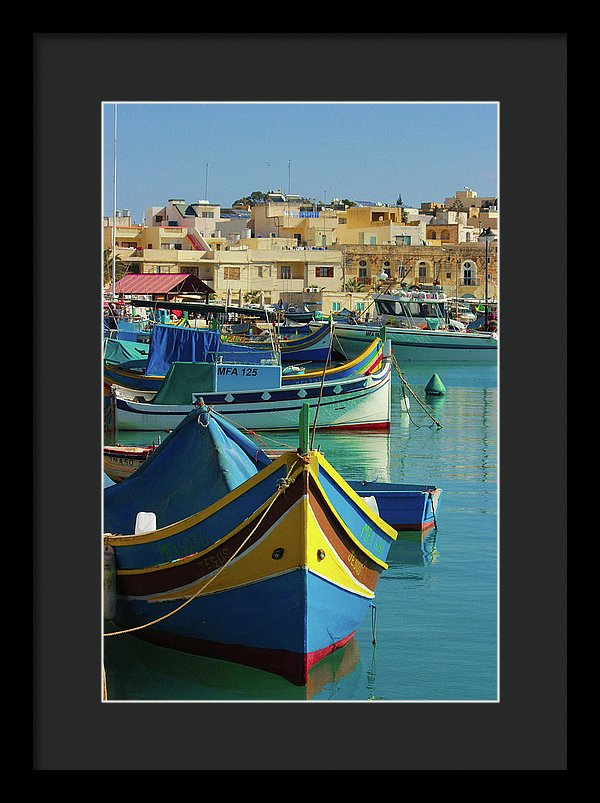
<point x="420" y="330"/>
<point x="254" y="398"/>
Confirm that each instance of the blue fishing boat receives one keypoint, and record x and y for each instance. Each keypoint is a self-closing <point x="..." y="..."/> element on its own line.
<point x="136" y="378"/>
<point x="272" y="564"/>
<point x="406" y="507"/>
<point x="314" y="346"/>
<point x="257" y="395"/>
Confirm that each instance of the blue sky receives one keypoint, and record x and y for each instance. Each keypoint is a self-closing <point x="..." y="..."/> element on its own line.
<point x="371" y="151"/>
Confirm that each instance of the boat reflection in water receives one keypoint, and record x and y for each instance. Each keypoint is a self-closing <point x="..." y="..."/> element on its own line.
<point x="137" y="670"/>
<point x="370" y="453"/>
<point x="414" y="549"/>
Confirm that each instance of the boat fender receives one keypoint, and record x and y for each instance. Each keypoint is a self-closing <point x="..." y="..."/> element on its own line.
<point x="110" y="583"/>
<point x="145" y="523"/>
<point x="371" y="501"/>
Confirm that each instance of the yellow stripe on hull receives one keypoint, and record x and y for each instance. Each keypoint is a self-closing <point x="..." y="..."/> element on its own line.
<point x="257" y="563"/>
<point x="304" y="545"/>
<point x="322" y="559"/>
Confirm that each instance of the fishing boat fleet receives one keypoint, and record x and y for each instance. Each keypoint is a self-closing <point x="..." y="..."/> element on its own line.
<point x="218" y="547"/>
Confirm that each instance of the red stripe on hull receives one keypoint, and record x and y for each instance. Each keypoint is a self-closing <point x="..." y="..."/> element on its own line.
<point x="314" y="657"/>
<point x="289" y="665"/>
<point x="427" y="525"/>
<point x="381" y="426"/>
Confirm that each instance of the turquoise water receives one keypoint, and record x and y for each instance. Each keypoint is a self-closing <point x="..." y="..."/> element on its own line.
<point x="435" y="622"/>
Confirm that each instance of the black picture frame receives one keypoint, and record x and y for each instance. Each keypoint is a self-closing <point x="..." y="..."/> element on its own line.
<point x="73" y="74"/>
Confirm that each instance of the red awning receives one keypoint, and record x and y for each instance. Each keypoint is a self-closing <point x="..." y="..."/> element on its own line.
<point x="158" y="283"/>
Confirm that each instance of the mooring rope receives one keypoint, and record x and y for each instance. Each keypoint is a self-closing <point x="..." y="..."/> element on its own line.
<point x="282" y="485"/>
<point x="374" y="622"/>
<point x="263" y="438"/>
<point x="405" y="383"/>
<point x="433" y="508"/>
<point x="312" y="440"/>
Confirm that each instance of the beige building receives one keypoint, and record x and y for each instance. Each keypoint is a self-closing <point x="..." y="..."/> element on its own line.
<point x="287" y="246"/>
<point x="458" y="269"/>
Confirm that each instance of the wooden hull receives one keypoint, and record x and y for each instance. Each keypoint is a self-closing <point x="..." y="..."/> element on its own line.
<point x="276" y="575"/>
<point x="135" y="383"/>
<point x="420" y="345"/>
<point x="121" y="461"/>
<point x="362" y="403"/>
<point x="407" y="508"/>
<point x="315" y="346"/>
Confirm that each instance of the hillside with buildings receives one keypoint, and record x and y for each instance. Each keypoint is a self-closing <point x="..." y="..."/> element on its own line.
<point x="276" y="247"/>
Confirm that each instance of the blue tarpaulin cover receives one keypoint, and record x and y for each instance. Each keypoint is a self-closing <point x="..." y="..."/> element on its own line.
<point x="171" y="344"/>
<point x="203" y="459"/>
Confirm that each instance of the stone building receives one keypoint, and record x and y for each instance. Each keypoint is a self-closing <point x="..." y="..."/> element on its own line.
<point x="459" y="269"/>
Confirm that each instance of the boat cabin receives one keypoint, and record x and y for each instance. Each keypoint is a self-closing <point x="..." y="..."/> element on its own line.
<point x="414" y="309"/>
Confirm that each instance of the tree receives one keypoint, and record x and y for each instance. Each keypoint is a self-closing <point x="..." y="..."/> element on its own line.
<point x="399" y="201"/>
<point x="252" y="296"/>
<point x="254" y="198"/>
<point x="353" y="285"/>
<point x="121" y="267"/>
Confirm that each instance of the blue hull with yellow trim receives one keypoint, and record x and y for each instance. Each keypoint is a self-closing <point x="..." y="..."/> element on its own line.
<point x="132" y="382"/>
<point x="277" y="573"/>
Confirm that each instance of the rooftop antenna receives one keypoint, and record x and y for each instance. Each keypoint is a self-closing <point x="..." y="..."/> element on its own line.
<point x="206" y="183"/>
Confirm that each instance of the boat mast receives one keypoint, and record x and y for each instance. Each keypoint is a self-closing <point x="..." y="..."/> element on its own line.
<point x="114" y="228"/>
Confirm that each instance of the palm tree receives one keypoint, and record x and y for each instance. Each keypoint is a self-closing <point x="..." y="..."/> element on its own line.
<point x="353" y="286"/>
<point x="252" y="296"/>
<point x="121" y="267"/>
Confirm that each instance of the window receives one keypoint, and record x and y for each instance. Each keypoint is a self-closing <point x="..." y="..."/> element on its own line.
<point x="362" y="263"/>
<point x="448" y="276"/>
<point x="422" y="270"/>
<point x="386" y="264"/>
<point x="362" y="273"/>
<point x="208" y="214"/>
<point x="372" y="240"/>
<point x="335" y="306"/>
<point x="231" y="273"/>
<point x="324" y="272"/>
<point x="360" y="305"/>
<point x="285" y="272"/>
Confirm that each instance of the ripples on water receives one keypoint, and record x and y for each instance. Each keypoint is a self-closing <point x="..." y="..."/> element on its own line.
<point x="435" y="614"/>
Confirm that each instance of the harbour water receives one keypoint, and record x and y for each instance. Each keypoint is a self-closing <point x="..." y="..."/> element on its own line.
<point x="432" y="634"/>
